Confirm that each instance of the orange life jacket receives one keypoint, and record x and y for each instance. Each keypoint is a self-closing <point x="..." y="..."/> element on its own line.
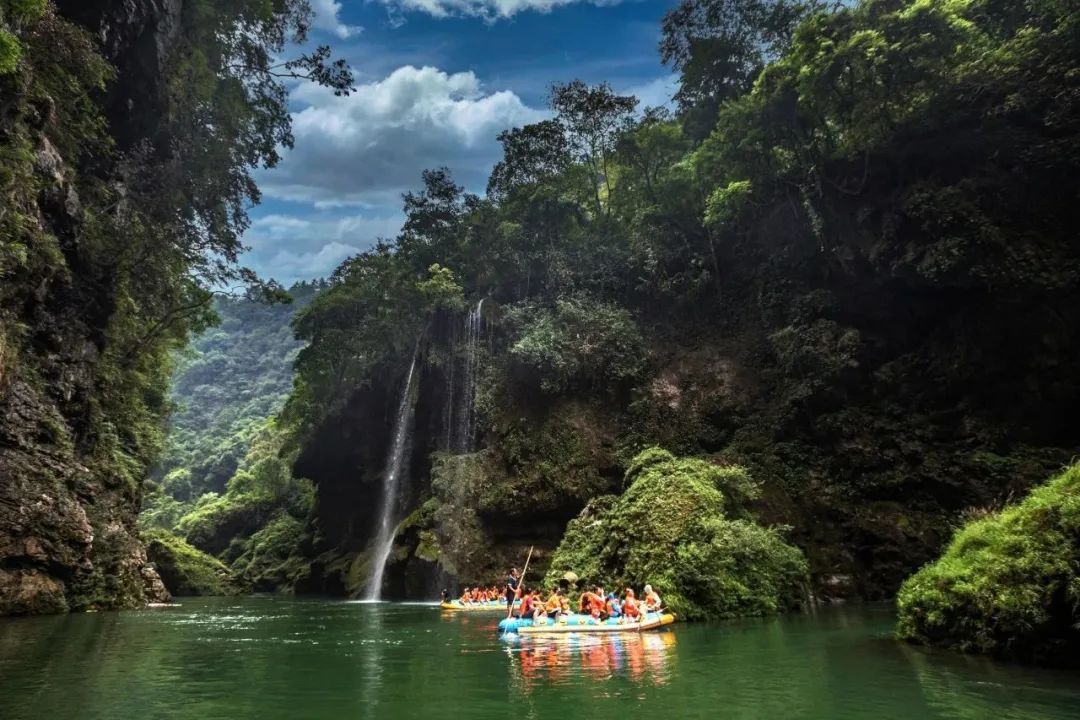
<point x="552" y="604"/>
<point x="630" y="608"/>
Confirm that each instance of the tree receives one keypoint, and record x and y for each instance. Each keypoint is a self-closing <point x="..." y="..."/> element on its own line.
<point x="531" y="155"/>
<point x="720" y="46"/>
<point x="593" y="117"/>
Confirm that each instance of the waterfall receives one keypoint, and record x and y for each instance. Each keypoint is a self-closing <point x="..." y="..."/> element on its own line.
<point x="466" y="435"/>
<point x="395" y="463"/>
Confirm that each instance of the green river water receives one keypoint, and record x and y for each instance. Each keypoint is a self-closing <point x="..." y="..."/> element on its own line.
<point x="284" y="658"/>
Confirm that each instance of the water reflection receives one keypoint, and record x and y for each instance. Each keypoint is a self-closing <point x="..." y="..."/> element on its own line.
<point x="645" y="659"/>
<point x="973" y="688"/>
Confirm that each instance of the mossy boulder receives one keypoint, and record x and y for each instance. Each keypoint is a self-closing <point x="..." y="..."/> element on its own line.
<point x="1008" y="584"/>
<point x="682" y="525"/>
<point x="185" y="569"/>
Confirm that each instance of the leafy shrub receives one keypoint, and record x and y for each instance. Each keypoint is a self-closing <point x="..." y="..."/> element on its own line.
<point x="1008" y="584"/>
<point x="578" y="341"/>
<point x="681" y="525"/>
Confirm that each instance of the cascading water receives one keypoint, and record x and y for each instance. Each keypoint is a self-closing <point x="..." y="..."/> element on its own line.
<point x="466" y="432"/>
<point x="395" y="466"/>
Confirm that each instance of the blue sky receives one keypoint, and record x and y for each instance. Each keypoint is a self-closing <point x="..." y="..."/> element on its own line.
<point x="436" y="80"/>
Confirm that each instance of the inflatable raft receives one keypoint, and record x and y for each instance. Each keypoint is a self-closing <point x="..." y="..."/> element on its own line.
<point x="582" y="623"/>
<point x="486" y="606"/>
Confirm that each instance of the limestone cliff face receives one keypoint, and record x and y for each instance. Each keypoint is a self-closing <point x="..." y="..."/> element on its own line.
<point x="67" y="519"/>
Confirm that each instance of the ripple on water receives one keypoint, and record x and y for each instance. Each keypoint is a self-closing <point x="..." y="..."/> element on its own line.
<point x="268" y="658"/>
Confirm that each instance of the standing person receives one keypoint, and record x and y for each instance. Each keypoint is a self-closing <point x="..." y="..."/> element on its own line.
<point x="513" y="581"/>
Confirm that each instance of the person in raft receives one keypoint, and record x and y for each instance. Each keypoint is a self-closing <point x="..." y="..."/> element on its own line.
<point x="630" y="608"/>
<point x="513" y="580"/>
<point x="592" y="603"/>
<point x="529" y="597"/>
<point x="652" y="600"/>
<point x="613" y="607"/>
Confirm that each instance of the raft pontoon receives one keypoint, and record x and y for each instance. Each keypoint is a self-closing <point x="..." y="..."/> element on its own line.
<point x="583" y="623"/>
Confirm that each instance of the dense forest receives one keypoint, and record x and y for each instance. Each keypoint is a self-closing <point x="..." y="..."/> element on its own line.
<point x="770" y="346"/>
<point x="232" y="379"/>
<point x="847" y="263"/>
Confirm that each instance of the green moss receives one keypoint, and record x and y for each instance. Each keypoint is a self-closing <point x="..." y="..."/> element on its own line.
<point x="10" y="51"/>
<point x="273" y="558"/>
<point x="1008" y="584"/>
<point x="677" y="526"/>
<point x="184" y="569"/>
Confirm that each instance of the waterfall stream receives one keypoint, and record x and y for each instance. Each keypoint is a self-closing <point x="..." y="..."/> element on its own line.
<point x="395" y="465"/>
<point x="466" y="431"/>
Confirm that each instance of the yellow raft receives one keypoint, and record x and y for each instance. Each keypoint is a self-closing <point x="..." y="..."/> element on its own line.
<point x="487" y="606"/>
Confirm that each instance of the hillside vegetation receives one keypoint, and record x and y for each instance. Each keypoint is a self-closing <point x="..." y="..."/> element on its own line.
<point x="846" y="262"/>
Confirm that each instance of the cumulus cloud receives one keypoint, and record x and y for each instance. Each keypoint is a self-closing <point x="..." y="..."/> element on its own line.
<point x="367" y="148"/>
<point x="488" y="9"/>
<point x="327" y="16"/>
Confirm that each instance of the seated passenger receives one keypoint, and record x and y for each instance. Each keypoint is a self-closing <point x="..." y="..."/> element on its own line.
<point x="630" y="607"/>
<point x="528" y="601"/>
<point x="553" y="605"/>
<point x="652" y="600"/>
<point x="539" y="606"/>
<point x="612" y="606"/>
<point x="585" y="602"/>
<point x="466" y="597"/>
<point x="596" y="604"/>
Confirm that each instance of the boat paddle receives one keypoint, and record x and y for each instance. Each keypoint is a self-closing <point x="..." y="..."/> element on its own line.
<point x="521" y="580"/>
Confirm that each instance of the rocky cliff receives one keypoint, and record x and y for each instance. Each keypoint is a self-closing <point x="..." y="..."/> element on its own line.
<point x="70" y="473"/>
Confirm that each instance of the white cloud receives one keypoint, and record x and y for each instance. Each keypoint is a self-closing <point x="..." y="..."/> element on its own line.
<point x="289" y="248"/>
<point x="488" y="9"/>
<point x="366" y="149"/>
<point x="289" y="267"/>
<point x="327" y="16"/>
<point x="655" y="93"/>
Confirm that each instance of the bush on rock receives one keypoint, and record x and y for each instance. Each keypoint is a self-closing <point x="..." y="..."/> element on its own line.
<point x="682" y="525"/>
<point x="1008" y="584"/>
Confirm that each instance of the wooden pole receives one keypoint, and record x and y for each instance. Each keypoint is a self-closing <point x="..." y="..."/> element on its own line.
<point x="521" y="582"/>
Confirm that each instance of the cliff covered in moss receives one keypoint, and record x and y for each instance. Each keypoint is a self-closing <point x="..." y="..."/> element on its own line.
<point x="846" y="264"/>
<point x="124" y="183"/>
